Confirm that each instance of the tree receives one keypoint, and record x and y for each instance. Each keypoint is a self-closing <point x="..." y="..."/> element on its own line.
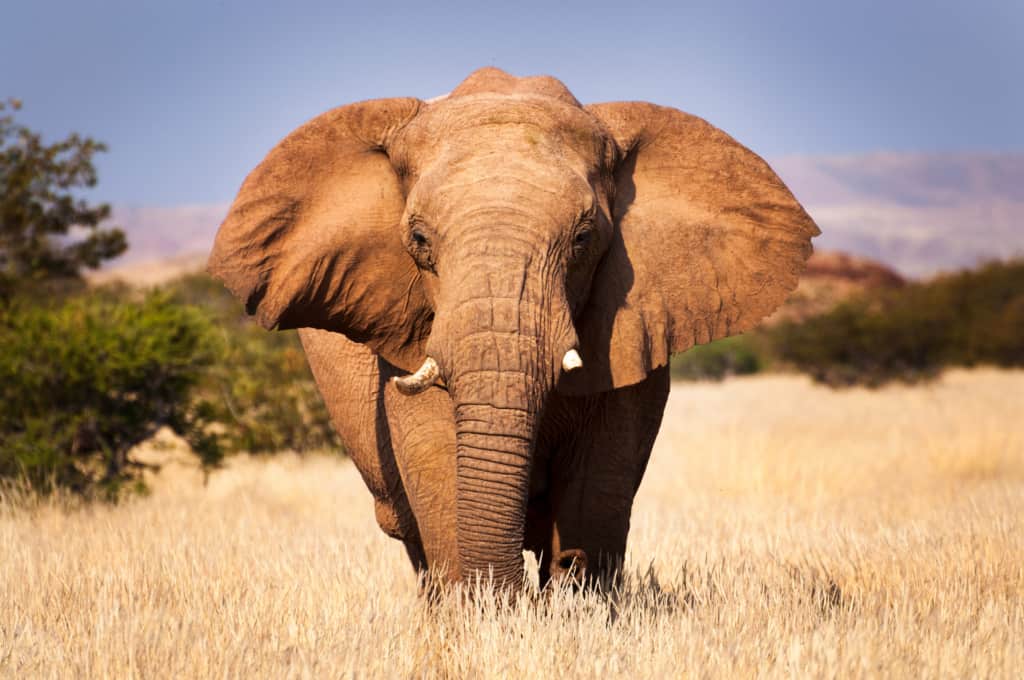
<point x="41" y="215"/>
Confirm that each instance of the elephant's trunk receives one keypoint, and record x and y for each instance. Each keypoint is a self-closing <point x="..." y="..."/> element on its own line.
<point x="504" y="347"/>
<point x="492" y="482"/>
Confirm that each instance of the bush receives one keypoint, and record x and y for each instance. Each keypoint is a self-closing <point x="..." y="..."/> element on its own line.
<point x="85" y="380"/>
<point x="261" y="383"/>
<point x="737" y="355"/>
<point x="970" y="318"/>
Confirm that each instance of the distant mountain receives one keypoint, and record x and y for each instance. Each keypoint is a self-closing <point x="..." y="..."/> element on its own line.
<point x="918" y="213"/>
<point x="156" y="233"/>
<point x="151" y="272"/>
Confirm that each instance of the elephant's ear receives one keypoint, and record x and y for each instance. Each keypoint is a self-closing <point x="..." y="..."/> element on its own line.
<point x="312" y="239"/>
<point x="708" y="241"/>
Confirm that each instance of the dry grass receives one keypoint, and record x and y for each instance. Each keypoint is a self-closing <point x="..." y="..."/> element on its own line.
<point x="782" y="530"/>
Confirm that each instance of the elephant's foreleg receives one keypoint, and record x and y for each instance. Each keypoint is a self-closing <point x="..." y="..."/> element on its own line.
<point x="597" y="474"/>
<point x="349" y="380"/>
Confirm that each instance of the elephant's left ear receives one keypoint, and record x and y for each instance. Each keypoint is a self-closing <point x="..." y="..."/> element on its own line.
<point x="313" y="238"/>
<point x="708" y="241"/>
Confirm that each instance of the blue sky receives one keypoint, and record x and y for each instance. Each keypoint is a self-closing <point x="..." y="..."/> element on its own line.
<point x="190" y="95"/>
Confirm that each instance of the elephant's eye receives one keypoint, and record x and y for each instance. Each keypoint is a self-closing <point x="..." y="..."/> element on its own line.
<point x="419" y="248"/>
<point x="582" y="239"/>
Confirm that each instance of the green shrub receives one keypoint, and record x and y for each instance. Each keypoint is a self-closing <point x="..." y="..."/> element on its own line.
<point x="988" y="309"/>
<point x="737" y="355"/>
<point x="261" y="383"/>
<point x="970" y="318"/>
<point x="83" y="381"/>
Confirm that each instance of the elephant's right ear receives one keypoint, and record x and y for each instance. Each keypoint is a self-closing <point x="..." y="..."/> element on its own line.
<point x="313" y="239"/>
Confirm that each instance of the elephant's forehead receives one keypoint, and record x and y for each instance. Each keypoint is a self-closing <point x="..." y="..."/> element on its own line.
<point x="453" y="186"/>
<point x="531" y="125"/>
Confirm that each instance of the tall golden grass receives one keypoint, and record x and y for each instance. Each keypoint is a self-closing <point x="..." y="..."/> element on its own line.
<point x="782" y="530"/>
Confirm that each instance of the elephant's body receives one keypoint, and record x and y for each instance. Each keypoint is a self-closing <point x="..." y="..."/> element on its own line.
<point x="590" y="456"/>
<point x="539" y="261"/>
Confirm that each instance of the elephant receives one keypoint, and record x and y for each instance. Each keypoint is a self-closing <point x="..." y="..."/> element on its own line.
<point x="488" y="287"/>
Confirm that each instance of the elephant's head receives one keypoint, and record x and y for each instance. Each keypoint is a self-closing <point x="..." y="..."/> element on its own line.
<point x="505" y="241"/>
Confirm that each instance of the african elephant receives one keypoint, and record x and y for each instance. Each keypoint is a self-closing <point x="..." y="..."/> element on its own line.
<point x="532" y="263"/>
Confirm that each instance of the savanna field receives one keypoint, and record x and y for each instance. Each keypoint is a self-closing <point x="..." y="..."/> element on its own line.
<point x="783" y="530"/>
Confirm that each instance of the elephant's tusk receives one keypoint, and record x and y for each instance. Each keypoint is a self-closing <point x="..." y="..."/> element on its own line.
<point x="423" y="378"/>
<point x="571" y="361"/>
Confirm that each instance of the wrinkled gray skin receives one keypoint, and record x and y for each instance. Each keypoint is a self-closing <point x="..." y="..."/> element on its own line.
<point x="494" y="230"/>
